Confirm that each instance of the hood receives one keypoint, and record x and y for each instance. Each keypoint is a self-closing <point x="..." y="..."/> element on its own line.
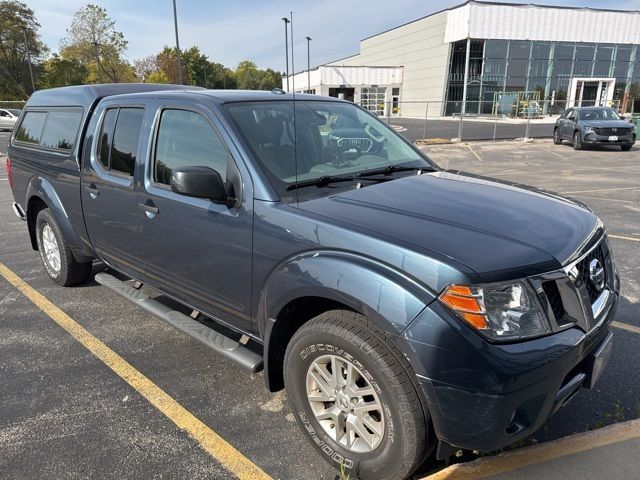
<point x="498" y="229"/>
<point x="606" y="123"/>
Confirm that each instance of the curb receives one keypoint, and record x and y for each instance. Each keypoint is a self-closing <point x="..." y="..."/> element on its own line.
<point x="512" y="460"/>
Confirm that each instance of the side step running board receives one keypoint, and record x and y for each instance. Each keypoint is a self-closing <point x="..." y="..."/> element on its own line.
<point x="226" y="346"/>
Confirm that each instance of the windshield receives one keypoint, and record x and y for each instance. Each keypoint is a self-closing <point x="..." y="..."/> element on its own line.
<point x="332" y="139"/>
<point x="604" y="113"/>
<point x="14" y="111"/>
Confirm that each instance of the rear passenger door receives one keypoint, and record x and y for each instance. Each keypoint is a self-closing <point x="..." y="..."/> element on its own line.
<point x="109" y="198"/>
<point x="194" y="249"/>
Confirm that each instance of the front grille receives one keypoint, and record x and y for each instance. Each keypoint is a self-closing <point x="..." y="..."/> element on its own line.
<point x="555" y="300"/>
<point x="583" y="269"/>
<point x="612" y="131"/>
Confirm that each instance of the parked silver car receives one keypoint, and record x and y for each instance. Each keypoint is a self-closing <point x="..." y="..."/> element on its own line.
<point x="8" y="118"/>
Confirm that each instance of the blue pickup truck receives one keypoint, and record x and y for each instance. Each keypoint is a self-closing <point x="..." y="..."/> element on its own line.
<point x="409" y="311"/>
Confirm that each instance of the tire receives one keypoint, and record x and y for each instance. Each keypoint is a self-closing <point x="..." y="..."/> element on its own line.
<point x="56" y="255"/>
<point x="577" y="141"/>
<point x="556" y="137"/>
<point x="626" y="148"/>
<point x="349" y="341"/>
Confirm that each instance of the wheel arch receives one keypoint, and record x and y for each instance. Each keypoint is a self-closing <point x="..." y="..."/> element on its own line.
<point x="315" y="282"/>
<point x="40" y="195"/>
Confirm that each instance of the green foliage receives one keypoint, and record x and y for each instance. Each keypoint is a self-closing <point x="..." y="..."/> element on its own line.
<point x="93" y="41"/>
<point x="16" y="21"/>
<point x="57" y="72"/>
<point x="249" y="77"/>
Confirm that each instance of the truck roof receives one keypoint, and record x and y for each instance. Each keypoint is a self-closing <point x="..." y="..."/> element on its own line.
<point x="224" y="96"/>
<point x="87" y="95"/>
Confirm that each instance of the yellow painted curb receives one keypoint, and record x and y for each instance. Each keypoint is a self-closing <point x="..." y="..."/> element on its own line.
<point x="508" y="461"/>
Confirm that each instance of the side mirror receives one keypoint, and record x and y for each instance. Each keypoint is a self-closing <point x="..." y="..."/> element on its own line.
<point x="200" y="182"/>
<point x="622" y="117"/>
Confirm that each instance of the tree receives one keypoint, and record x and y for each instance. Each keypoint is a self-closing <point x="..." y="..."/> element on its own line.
<point x="247" y="76"/>
<point x="167" y="63"/>
<point x="93" y="41"/>
<point x="16" y="21"/>
<point x="57" y="72"/>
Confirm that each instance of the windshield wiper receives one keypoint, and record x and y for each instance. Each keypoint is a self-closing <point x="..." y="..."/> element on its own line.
<point x="320" y="182"/>
<point x="327" y="179"/>
<point x="393" y="169"/>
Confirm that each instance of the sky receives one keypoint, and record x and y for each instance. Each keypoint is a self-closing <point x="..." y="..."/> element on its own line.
<point x="231" y="31"/>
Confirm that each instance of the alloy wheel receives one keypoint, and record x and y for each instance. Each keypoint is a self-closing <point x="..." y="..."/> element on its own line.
<point x="51" y="252"/>
<point x="345" y="404"/>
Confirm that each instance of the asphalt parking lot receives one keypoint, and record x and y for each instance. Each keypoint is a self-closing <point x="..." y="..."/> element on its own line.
<point x="66" y="412"/>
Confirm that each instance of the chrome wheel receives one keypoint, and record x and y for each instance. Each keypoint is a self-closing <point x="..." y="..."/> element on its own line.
<point x="345" y="404"/>
<point x="51" y="251"/>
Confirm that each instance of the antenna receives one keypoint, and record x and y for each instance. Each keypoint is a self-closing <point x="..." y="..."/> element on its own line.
<point x="293" y="91"/>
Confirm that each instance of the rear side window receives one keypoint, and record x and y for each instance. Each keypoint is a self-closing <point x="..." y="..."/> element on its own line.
<point x="31" y="127"/>
<point x="56" y="129"/>
<point x="119" y="136"/>
<point x="60" y="129"/>
<point x="187" y="139"/>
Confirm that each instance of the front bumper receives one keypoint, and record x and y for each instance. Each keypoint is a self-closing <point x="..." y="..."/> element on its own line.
<point x="594" y="138"/>
<point x="485" y="396"/>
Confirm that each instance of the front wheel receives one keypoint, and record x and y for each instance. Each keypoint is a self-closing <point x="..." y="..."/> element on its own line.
<point x="556" y="137"/>
<point x="56" y="255"/>
<point x="577" y="141"/>
<point x="354" y="395"/>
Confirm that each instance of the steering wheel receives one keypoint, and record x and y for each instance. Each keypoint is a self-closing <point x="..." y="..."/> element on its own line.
<point x="376" y="138"/>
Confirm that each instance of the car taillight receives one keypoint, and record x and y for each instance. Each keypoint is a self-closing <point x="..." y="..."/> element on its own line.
<point x="9" y="172"/>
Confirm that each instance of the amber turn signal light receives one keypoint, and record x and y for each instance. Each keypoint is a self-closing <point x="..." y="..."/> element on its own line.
<point x="467" y="304"/>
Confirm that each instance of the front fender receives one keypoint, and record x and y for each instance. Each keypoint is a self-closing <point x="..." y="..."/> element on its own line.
<point x="43" y="189"/>
<point x="386" y="296"/>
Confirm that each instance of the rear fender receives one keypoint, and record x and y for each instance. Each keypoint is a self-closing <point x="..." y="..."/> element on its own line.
<point x="41" y="188"/>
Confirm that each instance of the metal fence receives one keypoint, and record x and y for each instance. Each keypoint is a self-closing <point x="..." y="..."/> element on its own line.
<point x="16" y="104"/>
<point x="479" y="120"/>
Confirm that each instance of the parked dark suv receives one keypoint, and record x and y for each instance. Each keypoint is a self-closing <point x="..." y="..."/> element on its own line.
<point x="404" y="307"/>
<point x="585" y="126"/>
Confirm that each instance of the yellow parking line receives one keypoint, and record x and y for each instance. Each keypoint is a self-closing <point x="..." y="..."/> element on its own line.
<point x="622" y="237"/>
<point x="214" y="444"/>
<point x="549" y="151"/>
<point x="544" y="452"/>
<point x="625" y="326"/>
<point x="615" y="189"/>
<point x="474" y="152"/>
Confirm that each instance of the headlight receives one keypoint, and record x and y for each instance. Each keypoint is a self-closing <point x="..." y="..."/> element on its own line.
<point x="589" y="129"/>
<point x="499" y="311"/>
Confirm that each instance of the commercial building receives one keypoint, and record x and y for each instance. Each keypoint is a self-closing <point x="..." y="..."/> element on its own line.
<point x="502" y="58"/>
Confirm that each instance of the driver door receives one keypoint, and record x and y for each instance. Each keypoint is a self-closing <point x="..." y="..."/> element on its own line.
<point x="199" y="251"/>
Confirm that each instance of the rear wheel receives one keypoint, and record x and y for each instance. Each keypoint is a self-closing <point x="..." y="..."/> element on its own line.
<point x="626" y="148"/>
<point x="57" y="258"/>
<point x="577" y="141"/>
<point x="352" y="393"/>
<point x="556" y="137"/>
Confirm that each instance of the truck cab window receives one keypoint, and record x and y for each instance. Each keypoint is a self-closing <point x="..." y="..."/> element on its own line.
<point x="119" y="139"/>
<point x="187" y="139"/>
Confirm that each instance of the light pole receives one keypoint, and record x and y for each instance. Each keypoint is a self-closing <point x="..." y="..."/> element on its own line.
<point x="286" y="46"/>
<point x="308" y="64"/>
<point x="26" y="45"/>
<point x="178" y="61"/>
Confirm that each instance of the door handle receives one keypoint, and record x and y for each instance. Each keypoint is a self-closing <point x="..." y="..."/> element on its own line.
<point x="93" y="190"/>
<point x="150" y="210"/>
